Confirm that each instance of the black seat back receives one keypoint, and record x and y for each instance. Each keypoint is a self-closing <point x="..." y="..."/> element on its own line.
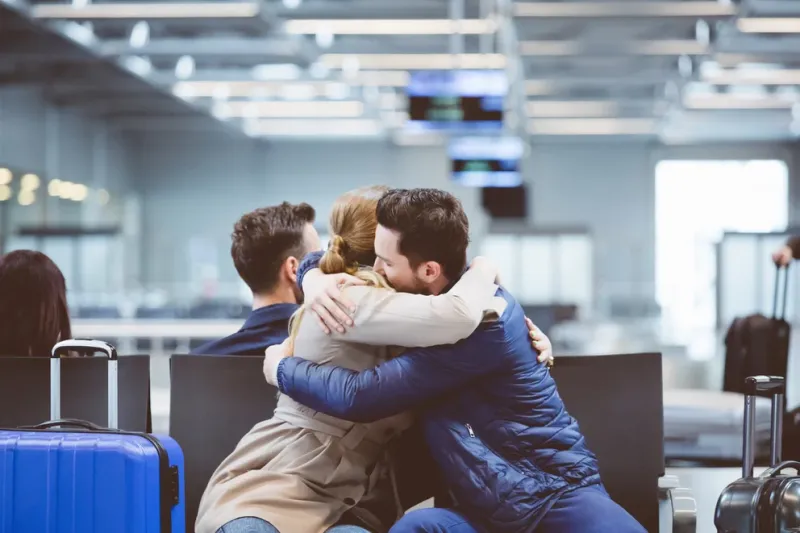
<point x="25" y="391"/>
<point x="618" y="403"/>
<point x="214" y="402"/>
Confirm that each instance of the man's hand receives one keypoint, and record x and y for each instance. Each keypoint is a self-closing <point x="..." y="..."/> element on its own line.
<point x="272" y="356"/>
<point x="326" y="302"/>
<point x="783" y="256"/>
<point x="541" y="343"/>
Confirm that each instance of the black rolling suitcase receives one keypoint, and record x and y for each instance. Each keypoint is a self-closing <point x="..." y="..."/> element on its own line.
<point x="757" y="345"/>
<point x="769" y="503"/>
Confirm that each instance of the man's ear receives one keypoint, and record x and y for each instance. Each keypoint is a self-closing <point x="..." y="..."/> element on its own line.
<point x="429" y="271"/>
<point x="290" y="268"/>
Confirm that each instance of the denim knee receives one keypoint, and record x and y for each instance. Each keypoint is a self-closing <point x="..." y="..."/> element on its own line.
<point x="248" y="524"/>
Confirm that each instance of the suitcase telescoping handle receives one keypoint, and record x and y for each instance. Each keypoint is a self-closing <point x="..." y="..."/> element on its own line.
<point x="776" y="387"/>
<point x="84" y="346"/>
<point x="783" y="294"/>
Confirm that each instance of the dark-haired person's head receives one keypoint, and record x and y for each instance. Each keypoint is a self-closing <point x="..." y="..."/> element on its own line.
<point x="421" y="240"/>
<point x="268" y="245"/>
<point x="33" y="304"/>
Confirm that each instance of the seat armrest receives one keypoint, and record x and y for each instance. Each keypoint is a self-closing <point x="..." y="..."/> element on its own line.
<point x="678" y="504"/>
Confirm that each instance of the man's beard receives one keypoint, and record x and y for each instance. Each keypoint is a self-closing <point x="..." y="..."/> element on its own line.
<point x="416" y="286"/>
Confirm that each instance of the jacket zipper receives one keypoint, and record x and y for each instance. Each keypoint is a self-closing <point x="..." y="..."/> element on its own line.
<point x="512" y="465"/>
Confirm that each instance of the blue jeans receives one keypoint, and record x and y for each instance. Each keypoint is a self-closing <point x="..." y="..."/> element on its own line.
<point x="256" y="525"/>
<point x="584" y="510"/>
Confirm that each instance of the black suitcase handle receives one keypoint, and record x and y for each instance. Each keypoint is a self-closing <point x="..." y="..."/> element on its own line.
<point x="785" y="294"/>
<point x="66" y="422"/>
<point x="777" y="469"/>
<point x="776" y="387"/>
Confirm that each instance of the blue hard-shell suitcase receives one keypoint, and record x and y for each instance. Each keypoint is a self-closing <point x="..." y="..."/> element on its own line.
<point x="71" y="476"/>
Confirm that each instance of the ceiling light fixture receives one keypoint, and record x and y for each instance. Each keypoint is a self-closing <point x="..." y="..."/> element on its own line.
<point x="146" y="11"/>
<point x="592" y="126"/>
<point x="571" y="109"/>
<point x="391" y="27"/>
<point x="5" y="176"/>
<point x="623" y="9"/>
<point x="324" y="39"/>
<point x="417" y="61"/>
<point x="732" y="102"/>
<point x="317" y="109"/>
<point x="315" y="128"/>
<point x="768" y="25"/>
<point x="287" y="71"/>
<point x="184" y="68"/>
<point x="140" y="34"/>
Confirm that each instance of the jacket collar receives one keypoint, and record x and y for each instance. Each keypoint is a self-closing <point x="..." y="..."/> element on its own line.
<point x="266" y="315"/>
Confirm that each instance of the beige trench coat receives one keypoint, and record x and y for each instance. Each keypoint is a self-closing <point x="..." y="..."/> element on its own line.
<point x="302" y="470"/>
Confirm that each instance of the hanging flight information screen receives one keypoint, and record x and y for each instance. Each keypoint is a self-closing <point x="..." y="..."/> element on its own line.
<point x="456" y="100"/>
<point x="486" y="161"/>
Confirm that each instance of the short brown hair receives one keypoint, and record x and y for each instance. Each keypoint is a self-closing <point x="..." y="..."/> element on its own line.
<point x="265" y="238"/>
<point x="432" y="227"/>
<point x="33" y="304"/>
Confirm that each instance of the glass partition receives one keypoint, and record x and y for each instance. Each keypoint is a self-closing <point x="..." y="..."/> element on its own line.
<point x="544" y="268"/>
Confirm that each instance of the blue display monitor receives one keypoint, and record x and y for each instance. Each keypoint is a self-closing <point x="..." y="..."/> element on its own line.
<point x="458" y="100"/>
<point x="486" y="161"/>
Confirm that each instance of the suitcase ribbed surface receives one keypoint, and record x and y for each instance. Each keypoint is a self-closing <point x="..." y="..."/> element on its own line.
<point x="72" y="482"/>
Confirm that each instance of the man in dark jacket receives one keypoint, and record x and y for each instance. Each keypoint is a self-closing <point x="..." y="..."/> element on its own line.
<point x="267" y="246"/>
<point x="514" y="460"/>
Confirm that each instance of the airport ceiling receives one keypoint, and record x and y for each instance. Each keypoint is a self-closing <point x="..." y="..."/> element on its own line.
<point x="679" y="70"/>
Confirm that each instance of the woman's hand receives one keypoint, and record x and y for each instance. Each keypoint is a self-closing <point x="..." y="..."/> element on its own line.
<point x="541" y="343"/>
<point x="272" y="357"/>
<point x="326" y="302"/>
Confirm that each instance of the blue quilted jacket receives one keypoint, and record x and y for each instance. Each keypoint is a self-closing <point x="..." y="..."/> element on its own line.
<point x="492" y="416"/>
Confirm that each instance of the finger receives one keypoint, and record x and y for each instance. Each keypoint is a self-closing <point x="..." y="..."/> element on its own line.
<point x="336" y="296"/>
<point x="333" y="306"/>
<point x="330" y="318"/>
<point x="327" y="318"/>
<point x="530" y="324"/>
<point x="321" y="324"/>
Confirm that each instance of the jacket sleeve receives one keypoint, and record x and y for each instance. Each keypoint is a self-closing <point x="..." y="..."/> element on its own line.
<point x="396" y="386"/>
<point x="384" y="317"/>
<point x="309" y="262"/>
<point x="794" y="244"/>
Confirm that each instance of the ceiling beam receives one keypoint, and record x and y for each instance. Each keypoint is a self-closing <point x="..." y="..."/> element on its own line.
<point x="285" y="48"/>
<point x="372" y="9"/>
<point x="624" y="10"/>
<point x="560" y="48"/>
<point x="148" y="11"/>
<point x="770" y="8"/>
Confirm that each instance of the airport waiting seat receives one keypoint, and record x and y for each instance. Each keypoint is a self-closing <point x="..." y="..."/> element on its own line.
<point x="25" y="391"/>
<point x="618" y="402"/>
<point x="214" y="402"/>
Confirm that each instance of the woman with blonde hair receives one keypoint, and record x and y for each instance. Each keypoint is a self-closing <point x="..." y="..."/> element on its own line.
<point x="303" y="471"/>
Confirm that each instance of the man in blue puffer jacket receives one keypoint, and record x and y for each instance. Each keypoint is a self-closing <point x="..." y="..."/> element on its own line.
<point x="514" y="459"/>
